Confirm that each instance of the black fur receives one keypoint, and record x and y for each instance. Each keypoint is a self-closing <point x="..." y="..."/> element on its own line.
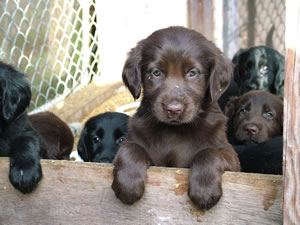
<point x="18" y="140"/>
<point x="256" y="68"/>
<point x="259" y="68"/>
<point x="265" y="157"/>
<point x="101" y="137"/>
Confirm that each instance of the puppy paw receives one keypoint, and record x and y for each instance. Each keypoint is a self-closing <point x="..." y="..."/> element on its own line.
<point x="128" y="191"/>
<point x="25" y="179"/>
<point x="205" y="196"/>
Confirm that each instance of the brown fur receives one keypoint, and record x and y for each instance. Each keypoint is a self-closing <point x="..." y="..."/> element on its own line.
<point x="254" y="117"/>
<point x="56" y="133"/>
<point x="179" y="122"/>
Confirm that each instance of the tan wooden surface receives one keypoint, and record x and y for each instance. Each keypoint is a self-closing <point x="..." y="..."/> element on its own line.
<point x="291" y="131"/>
<point x="200" y="17"/>
<point x="78" y="105"/>
<point x="80" y="193"/>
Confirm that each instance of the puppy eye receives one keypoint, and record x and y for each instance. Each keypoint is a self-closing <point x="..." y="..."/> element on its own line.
<point x="120" y="140"/>
<point x="156" y="72"/>
<point x="192" y="73"/>
<point x="96" y="139"/>
<point x="264" y="69"/>
<point x="243" y="111"/>
<point x="269" y="115"/>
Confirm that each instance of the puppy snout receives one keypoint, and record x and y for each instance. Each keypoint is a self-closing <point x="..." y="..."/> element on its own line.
<point x="174" y="109"/>
<point x="250" y="129"/>
<point x="178" y="92"/>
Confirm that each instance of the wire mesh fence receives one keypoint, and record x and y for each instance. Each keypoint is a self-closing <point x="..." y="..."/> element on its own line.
<point x="250" y="23"/>
<point x="54" y="42"/>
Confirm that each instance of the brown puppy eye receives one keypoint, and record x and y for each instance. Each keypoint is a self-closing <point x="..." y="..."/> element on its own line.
<point x="192" y="73"/>
<point x="243" y="111"/>
<point x="156" y="72"/>
<point x="269" y="115"/>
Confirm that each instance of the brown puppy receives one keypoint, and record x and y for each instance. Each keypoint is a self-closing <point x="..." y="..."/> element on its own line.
<point x="254" y="117"/>
<point x="56" y="133"/>
<point x="178" y="123"/>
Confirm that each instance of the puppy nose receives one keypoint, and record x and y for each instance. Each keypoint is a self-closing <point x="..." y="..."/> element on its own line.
<point x="251" y="129"/>
<point x="174" y="109"/>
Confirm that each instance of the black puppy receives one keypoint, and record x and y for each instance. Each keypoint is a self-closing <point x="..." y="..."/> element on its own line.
<point x="256" y="68"/>
<point x="265" y="157"/>
<point x="18" y="140"/>
<point x="101" y="137"/>
<point x="259" y="68"/>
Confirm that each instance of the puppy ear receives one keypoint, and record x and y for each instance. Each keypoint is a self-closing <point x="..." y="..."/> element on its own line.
<point x="132" y="72"/>
<point x="230" y="106"/>
<point x="220" y="77"/>
<point x="16" y="96"/>
<point x="235" y="61"/>
<point x="279" y="75"/>
<point x="82" y="146"/>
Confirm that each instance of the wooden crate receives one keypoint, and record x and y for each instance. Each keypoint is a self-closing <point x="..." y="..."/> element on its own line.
<point x="80" y="193"/>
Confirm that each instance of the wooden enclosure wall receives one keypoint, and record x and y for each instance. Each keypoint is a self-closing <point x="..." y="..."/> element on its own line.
<point x="291" y="129"/>
<point x="80" y="193"/>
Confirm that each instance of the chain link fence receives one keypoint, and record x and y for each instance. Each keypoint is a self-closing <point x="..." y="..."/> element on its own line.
<point x="250" y="23"/>
<point x="53" y="42"/>
<point x="56" y="42"/>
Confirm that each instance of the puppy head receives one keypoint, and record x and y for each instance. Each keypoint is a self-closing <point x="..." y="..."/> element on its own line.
<point x="254" y="117"/>
<point x="180" y="71"/>
<point x="101" y="137"/>
<point x="259" y="68"/>
<point x="15" y="93"/>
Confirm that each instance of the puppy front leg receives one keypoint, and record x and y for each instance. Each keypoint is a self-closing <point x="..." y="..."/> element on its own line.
<point x="130" y="171"/>
<point x="206" y="172"/>
<point x="25" y="168"/>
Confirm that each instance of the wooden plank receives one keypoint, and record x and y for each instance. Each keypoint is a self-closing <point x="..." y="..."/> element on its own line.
<point x="291" y="130"/>
<point x="80" y="193"/>
<point x="77" y="106"/>
<point x="200" y="17"/>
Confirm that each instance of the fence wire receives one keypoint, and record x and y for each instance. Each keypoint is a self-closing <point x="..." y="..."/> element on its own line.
<point x="54" y="42"/>
<point x="252" y="23"/>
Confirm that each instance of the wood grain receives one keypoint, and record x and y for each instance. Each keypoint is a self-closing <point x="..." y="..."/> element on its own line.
<point x="291" y="131"/>
<point x="80" y="193"/>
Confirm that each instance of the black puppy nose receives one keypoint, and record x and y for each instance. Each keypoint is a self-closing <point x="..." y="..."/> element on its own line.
<point x="174" y="109"/>
<point x="251" y="129"/>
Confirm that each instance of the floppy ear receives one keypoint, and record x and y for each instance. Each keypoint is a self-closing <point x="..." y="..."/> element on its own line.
<point x="230" y="107"/>
<point x="220" y="77"/>
<point x="82" y="146"/>
<point x="279" y="76"/>
<point x="132" y="72"/>
<point x="16" y="96"/>
<point x="235" y="61"/>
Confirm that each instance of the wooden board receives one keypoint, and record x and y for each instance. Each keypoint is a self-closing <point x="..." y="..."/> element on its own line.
<point x="80" y="193"/>
<point x="291" y="131"/>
